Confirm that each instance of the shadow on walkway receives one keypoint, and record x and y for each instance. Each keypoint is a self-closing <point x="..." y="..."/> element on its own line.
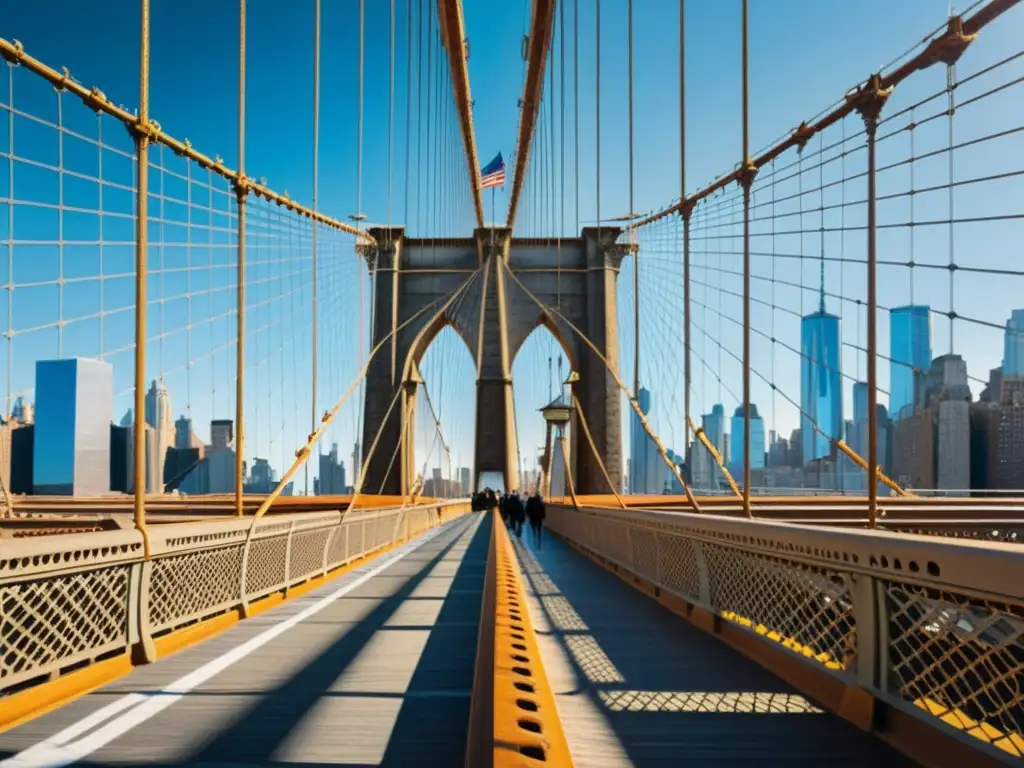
<point x="658" y="691"/>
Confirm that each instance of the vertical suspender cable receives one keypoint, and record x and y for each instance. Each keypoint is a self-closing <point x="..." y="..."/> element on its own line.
<point x="316" y="187"/>
<point x="686" y="211"/>
<point x="597" y="111"/>
<point x="561" y="156"/>
<point x="240" y="349"/>
<point x="576" y="105"/>
<point x="391" y="106"/>
<point x="141" y="225"/>
<point x="359" y="204"/>
<point x="408" y="101"/>
<point x="748" y="179"/>
<point x="636" y="253"/>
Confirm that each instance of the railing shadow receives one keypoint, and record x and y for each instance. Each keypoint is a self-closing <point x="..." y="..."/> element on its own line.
<point x="663" y="691"/>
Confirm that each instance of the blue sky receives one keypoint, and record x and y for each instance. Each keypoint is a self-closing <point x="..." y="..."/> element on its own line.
<point x="803" y="55"/>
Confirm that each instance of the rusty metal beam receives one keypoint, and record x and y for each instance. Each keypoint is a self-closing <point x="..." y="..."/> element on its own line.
<point x="453" y="37"/>
<point x="541" y="27"/>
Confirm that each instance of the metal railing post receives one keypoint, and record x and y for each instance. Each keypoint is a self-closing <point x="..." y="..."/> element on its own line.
<point x="141" y="276"/>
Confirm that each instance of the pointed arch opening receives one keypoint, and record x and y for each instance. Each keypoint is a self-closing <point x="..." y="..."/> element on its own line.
<point x="444" y="417"/>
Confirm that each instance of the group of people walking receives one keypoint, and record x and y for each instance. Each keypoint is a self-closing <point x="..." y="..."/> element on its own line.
<point x="514" y="511"/>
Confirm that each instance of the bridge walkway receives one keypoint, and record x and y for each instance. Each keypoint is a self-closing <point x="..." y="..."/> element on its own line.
<point x="372" y="668"/>
<point x="636" y="685"/>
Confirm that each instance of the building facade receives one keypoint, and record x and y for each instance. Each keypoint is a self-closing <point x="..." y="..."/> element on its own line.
<point x="821" y="393"/>
<point x="72" y="428"/>
<point x="910" y="351"/>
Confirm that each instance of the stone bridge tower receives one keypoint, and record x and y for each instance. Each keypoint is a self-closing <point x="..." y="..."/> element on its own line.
<point x="482" y="287"/>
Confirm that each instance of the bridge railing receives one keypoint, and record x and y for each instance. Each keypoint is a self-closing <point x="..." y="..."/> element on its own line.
<point x="931" y="628"/>
<point x="73" y="599"/>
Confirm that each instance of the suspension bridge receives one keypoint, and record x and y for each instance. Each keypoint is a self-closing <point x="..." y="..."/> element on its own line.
<point x="736" y="566"/>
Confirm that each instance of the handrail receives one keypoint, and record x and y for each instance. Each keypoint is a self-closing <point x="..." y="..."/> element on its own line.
<point x="928" y="629"/>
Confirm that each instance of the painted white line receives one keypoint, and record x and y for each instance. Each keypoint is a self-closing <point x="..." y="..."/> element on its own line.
<point x="60" y="750"/>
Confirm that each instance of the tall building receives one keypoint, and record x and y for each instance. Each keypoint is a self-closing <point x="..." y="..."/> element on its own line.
<point x="910" y="350"/>
<point x="72" y="427"/>
<point x="222" y="433"/>
<point x="262" y="477"/>
<point x="464" y="480"/>
<point x="331" y="481"/>
<point x="860" y="401"/>
<point x="645" y="476"/>
<point x="714" y="429"/>
<point x="1013" y="344"/>
<point x="120" y="458"/>
<point x="159" y="417"/>
<point x="220" y="457"/>
<point x="184" y="435"/>
<point x="22" y="458"/>
<point x="23" y="411"/>
<point x="756" y="441"/>
<point x="821" y="392"/>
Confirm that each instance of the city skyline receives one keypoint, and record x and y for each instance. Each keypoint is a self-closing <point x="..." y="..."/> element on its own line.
<point x="192" y="284"/>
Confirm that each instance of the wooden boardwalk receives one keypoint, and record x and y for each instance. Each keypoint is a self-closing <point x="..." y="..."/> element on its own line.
<point x="372" y="668"/>
<point x="636" y="685"/>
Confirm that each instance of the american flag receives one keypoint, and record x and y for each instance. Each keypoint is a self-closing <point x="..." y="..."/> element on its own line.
<point x="493" y="174"/>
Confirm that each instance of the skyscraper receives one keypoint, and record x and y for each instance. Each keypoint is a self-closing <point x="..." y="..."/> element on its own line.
<point x="464" y="480"/>
<point x="821" y="391"/>
<point x="714" y="430"/>
<point x="756" y="442"/>
<point x="910" y="347"/>
<point x="860" y="401"/>
<point x="159" y="417"/>
<point x="645" y="476"/>
<point x="72" y="428"/>
<point x="1013" y="344"/>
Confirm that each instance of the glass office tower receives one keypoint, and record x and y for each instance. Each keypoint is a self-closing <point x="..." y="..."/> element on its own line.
<point x="821" y="392"/>
<point x="910" y="347"/>
<point x="756" y="442"/>
<point x="74" y="408"/>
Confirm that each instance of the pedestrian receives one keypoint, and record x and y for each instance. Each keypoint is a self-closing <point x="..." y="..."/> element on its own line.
<point x="517" y="513"/>
<point x="535" y="512"/>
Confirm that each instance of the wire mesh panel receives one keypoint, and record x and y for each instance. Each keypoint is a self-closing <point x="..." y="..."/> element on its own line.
<point x="959" y="659"/>
<point x="50" y="623"/>
<point x="193" y="585"/>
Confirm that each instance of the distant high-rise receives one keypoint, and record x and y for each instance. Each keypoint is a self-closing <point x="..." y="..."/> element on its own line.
<point x="464" y="480"/>
<point x="23" y="411"/>
<point x="645" y="476"/>
<point x="72" y="428"/>
<point x="756" y="441"/>
<point x="821" y="392"/>
<point x="860" y="401"/>
<point x="222" y="433"/>
<point x="159" y="417"/>
<point x="910" y="350"/>
<point x="1013" y="344"/>
<point x="184" y="436"/>
<point x="332" y="473"/>
<point x="714" y="431"/>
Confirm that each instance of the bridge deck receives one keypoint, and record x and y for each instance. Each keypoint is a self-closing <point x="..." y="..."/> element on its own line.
<point x="637" y="685"/>
<point x="375" y="669"/>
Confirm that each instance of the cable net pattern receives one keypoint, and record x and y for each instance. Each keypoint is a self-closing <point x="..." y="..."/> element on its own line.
<point x="959" y="659"/>
<point x="194" y="584"/>
<point x="266" y="567"/>
<point x="49" y="623"/>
